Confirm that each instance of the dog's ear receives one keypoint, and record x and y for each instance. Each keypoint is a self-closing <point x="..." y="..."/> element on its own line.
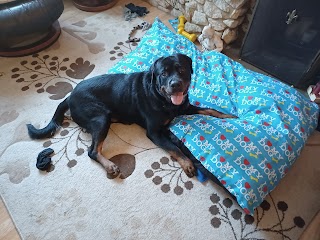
<point x="153" y="68"/>
<point x="187" y="59"/>
<point x="190" y="64"/>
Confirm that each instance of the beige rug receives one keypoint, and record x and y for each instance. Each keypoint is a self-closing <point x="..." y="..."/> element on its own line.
<point x="153" y="198"/>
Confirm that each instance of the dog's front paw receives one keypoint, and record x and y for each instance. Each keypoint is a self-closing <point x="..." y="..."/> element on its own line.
<point x="113" y="169"/>
<point x="188" y="168"/>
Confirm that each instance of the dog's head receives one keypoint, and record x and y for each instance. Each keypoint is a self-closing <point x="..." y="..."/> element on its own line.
<point x="172" y="76"/>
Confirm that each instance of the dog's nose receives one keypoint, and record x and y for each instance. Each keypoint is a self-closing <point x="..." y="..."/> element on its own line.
<point x="175" y="84"/>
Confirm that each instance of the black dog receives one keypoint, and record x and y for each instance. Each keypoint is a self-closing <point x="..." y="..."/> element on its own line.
<point x="150" y="99"/>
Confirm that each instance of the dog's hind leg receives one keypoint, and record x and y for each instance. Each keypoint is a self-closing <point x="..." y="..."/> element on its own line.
<point x="98" y="127"/>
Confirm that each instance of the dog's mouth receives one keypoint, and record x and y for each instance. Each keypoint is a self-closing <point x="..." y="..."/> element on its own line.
<point x="176" y="98"/>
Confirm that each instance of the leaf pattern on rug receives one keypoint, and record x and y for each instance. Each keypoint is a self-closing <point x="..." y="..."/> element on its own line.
<point x="86" y="36"/>
<point x="226" y="211"/>
<point x="72" y="141"/>
<point x="80" y="23"/>
<point x="17" y="170"/>
<point x="20" y="134"/>
<point x="80" y="69"/>
<point x="7" y="117"/>
<point x="169" y="175"/>
<point x="59" y="90"/>
<point x="122" y="49"/>
<point x="126" y="164"/>
<point x="76" y="141"/>
<point x="51" y="74"/>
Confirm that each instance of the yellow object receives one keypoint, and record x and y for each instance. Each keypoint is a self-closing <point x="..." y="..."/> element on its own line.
<point x="182" y="20"/>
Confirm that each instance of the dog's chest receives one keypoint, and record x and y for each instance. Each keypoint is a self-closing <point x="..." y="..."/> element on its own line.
<point x="168" y="114"/>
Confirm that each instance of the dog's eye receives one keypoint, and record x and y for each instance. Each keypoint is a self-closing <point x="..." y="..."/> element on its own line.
<point x="164" y="74"/>
<point x="182" y="70"/>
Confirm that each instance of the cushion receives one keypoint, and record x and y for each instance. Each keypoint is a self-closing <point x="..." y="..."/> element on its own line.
<point x="248" y="155"/>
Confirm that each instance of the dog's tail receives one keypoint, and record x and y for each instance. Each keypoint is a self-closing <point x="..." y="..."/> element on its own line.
<point x="53" y="125"/>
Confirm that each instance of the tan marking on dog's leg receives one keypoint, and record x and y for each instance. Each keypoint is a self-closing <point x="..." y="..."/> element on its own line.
<point x="106" y="163"/>
<point x="215" y="113"/>
<point x="185" y="163"/>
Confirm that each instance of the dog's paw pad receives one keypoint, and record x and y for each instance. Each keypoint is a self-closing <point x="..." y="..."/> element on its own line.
<point x="112" y="176"/>
<point x="113" y="170"/>
<point x="190" y="171"/>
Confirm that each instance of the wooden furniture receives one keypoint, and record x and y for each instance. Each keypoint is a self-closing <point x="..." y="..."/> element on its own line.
<point x="312" y="231"/>
<point x="94" y="5"/>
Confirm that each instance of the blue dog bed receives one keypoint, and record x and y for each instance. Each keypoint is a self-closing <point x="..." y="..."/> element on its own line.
<point x="248" y="155"/>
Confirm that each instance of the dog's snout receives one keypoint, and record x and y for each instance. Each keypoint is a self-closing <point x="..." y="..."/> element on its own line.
<point x="175" y="84"/>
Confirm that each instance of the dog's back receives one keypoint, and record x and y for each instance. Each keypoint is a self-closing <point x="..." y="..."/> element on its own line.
<point x="125" y="95"/>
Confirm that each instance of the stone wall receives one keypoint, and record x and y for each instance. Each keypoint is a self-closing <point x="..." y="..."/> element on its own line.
<point x="226" y="16"/>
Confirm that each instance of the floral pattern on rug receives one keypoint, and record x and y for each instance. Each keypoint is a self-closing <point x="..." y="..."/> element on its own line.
<point x="225" y="211"/>
<point x="8" y="116"/>
<point x="76" y="141"/>
<point x="169" y="175"/>
<point x="89" y="31"/>
<point x="72" y="141"/>
<point x="86" y="37"/>
<point x="18" y="168"/>
<point x="122" y="49"/>
<point x="51" y="74"/>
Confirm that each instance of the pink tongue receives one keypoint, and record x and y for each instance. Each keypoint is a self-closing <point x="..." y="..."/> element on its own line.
<point x="177" y="98"/>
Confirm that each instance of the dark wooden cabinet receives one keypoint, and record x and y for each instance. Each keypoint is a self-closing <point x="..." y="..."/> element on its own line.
<point x="284" y="40"/>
